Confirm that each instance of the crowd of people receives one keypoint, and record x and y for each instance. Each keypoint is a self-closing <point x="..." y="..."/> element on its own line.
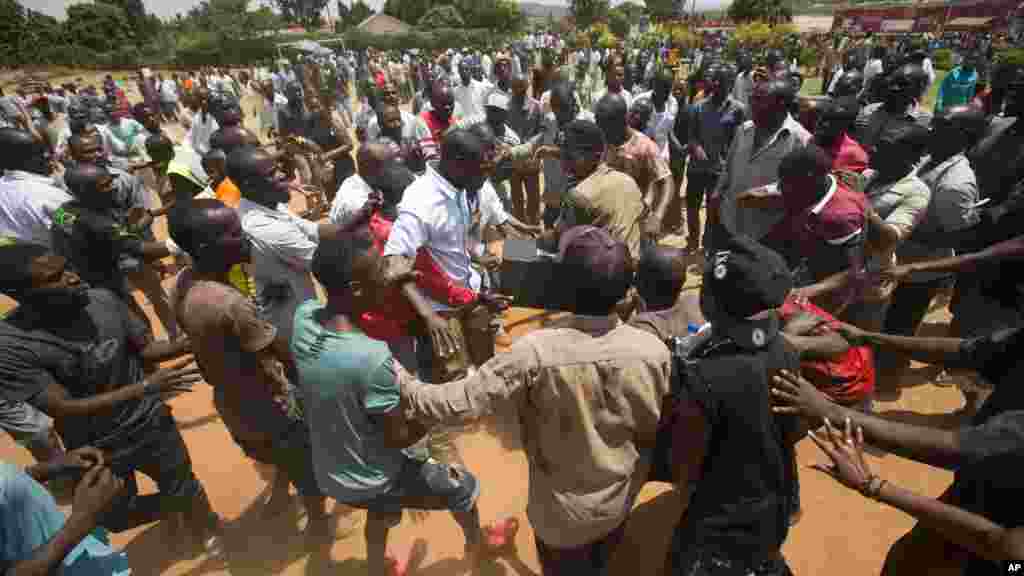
<point x="828" y="226"/>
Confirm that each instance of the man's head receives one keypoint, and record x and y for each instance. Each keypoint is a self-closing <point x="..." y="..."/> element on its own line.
<point x="615" y="73"/>
<point x="745" y="62"/>
<point x="496" y="109"/>
<point x="900" y="146"/>
<point x="462" y="159"/>
<point x="371" y="160"/>
<point x="774" y="61"/>
<point x="87" y="148"/>
<point x="225" y="110"/>
<point x="232" y="137"/>
<point x="389" y="118"/>
<point x="503" y="68"/>
<point x="161" y="149"/>
<point x="489" y="145"/>
<point x="954" y="130"/>
<point x="611" y="113"/>
<point x="661" y="89"/>
<point x="465" y="71"/>
<point x="563" y="102"/>
<point x="582" y="149"/>
<point x="599" y="268"/>
<point x="20" y="151"/>
<point x="803" y="177"/>
<point x="720" y="81"/>
<point x="211" y="233"/>
<point x="849" y="84"/>
<point x="640" y="113"/>
<point x="389" y="93"/>
<point x="906" y="85"/>
<point x="744" y="284"/>
<point x="835" y="118"/>
<point x="92" y="185"/>
<point x="258" y="176"/>
<point x="661" y="276"/>
<point x="36" y="277"/>
<point x="145" y="116"/>
<point x="351" y="271"/>
<point x="441" y="100"/>
<point x="215" y="163"/>
<point x="770" y="100"/>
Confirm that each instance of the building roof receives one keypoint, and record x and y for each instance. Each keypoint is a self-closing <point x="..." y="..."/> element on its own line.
<point x="384" y="24"/>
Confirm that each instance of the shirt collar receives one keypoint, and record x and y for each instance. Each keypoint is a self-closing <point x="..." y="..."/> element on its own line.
<point x="594" y="325"/>
<point x="442" y="183"/>
<point x="246" y="205"/>
<point x="29" y="177"/>
<point x="817" y="208"/>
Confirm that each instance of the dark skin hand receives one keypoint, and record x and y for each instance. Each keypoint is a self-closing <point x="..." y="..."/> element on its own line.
<point x="970" y="531"/>
<point x="792" y="394"/>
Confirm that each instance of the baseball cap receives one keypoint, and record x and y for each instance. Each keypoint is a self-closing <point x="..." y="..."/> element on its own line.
<point x="744" y="278"/>
<point x="497" y="100"/>
<point x="604" y="259"/>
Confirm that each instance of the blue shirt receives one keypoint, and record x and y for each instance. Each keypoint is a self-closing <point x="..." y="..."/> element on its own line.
<point x="346" y="378"/>
<point x="956" y="89"/>
<point x="29" y="518"/>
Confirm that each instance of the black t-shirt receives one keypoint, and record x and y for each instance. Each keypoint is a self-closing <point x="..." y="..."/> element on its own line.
<point x="992" y="447"/>
<point x="95" y="351"/>
<point x="98" y="245"/>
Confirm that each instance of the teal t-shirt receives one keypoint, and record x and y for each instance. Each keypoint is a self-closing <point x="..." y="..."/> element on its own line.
<point x="29" y="518"/>
<point x="345" y="378"/>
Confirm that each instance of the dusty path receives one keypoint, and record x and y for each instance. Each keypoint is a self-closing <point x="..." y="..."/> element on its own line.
<point x="840" y="534"/>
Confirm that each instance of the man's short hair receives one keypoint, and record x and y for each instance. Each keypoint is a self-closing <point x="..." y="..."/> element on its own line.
<point x="335" y="257"/>
<point x="909" y="135"/>
<point x="16" y="257"/>
<point x="842" y="109"/>
<point x="807" y="161"/>
<point x="584" y="138"/>
<point x="188" y="224"/>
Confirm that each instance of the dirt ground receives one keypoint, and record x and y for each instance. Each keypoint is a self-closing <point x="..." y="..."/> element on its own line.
<point x="840" y="533"/>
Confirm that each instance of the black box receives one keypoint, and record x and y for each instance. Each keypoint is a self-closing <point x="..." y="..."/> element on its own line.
<point x="533" y="279"/>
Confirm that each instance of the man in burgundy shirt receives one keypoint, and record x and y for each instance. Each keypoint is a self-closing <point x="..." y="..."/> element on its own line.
<point x="823" y="230"/>
<point x="835" y="120"/>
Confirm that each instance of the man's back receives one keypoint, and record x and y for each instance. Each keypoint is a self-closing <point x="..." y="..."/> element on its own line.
<point x="609" y="199"/>
<point x="346" y="378"/>
<point x="227" y="336"/>
<point x="589" y="420"/>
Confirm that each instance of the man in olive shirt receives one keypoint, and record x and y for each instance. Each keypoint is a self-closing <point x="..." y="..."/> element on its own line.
<point x="588" y="459"/>
<point x="603" y="197"/>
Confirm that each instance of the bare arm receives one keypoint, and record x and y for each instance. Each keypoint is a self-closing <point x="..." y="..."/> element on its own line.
<point x="1012" y="249"/>
<point x="966" y="529"/>
<point x="659" y="196"/>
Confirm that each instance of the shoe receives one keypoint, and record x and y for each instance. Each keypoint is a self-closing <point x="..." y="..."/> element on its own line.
<point x="395" y="567"/>
<point x="501" y="536"/>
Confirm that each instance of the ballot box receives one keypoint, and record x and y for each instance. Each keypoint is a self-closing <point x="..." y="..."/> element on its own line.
<point x="532" y="277"/>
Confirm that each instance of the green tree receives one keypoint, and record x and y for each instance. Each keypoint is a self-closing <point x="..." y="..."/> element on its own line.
<point x="360" y="11"/>
<point x="444" y="16"/>
<point x="98" y="27"/>
<point x="771" y="11"/>
<point x="622" y="17"/>
<point x="586" y="12"/>
<point x="661" y="10"/>
<point x="408" y="11"/>
<point x="305" y="12"/>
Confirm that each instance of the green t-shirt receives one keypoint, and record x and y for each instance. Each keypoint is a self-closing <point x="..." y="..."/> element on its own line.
<point x="345" y="378"/>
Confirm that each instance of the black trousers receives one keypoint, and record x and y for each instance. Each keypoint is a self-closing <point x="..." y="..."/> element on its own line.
<point x="907" y="309"/>
<point x="161" y="454"/>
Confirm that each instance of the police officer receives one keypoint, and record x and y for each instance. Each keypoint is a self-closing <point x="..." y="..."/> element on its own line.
<point x="734" y="453"/>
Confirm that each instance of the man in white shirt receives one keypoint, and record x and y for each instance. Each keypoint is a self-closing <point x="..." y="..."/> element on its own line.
<point x="615" y="74"/>
<point x="28" y="194"/>
<point x="282" y="243"/>
<point x="436" y="215"/>
<point x="469" y="93"/>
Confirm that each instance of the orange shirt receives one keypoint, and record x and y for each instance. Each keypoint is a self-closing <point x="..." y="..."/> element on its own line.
<point x="228" y="193"/>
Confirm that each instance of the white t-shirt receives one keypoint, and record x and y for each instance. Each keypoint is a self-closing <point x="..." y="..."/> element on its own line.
<point x="27" y="205"/>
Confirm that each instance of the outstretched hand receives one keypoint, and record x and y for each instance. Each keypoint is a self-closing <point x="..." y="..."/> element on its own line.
<point x="794" y="394"/>
<point x="846" y="451"/>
